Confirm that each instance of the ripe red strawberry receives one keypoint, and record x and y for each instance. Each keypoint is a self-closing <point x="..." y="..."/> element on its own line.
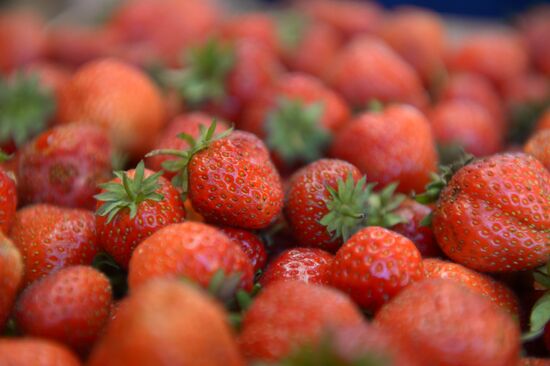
<point x="132" y="207"/>
<point x="539" y="146"/>
<point x="188" y="124"/>
<point x="374" y="265"/>
<point x="475" y="88"/>
<point x="64" y="165"/>
<point x="413" y="213"/>
<point x="229" y="178"/>
<point x="251" y="245"/>
<point x="11" y="272"/>
<point x="221" y="78"/>
<point x="493" y="215"/>
<point x="32" y="351"/>
<point x="191" y="249"/>
<point x="535" y="27"/>
<point x="167" y="323"/>
<point x="448" y="324"/>
<point x="419" y="37"/>
<point x="8" y="200"/>
<point x="466" y="124"/>
<point x="395" y="145"/>
<point x="477" y="282"/>
<point x="328" y="201"/>
<point x="70" y="306"/>
<point x="50" y="238"/>
<point x="296" y="117"/>
<point x="309" y="265"/>
<point x="349" y="17"/>
<point x="306" y="45"/>
<point x="478" y="52"/>
<point x="22" y="39"/>
<point x="257" y="27"/>
<point x="118" y="97"/>
<point x="367" y="69"/>
<point x="287" y="315"/>
<point x="526" y="89"/>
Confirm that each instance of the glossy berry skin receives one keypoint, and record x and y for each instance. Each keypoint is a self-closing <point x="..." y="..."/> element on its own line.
<point x="494" y="214"/>
<point x="192" y="250"/>
<point x="478" y="53"/>
<point x="395" y="145"/>
<point x="538" y="145"/>
<point x="287" y="315"/>
<point x="477" y="282"/>
<point x="8" y="201"/>
<point x="466" y="124"/>
<point x="11" y="276"/>
<point x="422" y="236"/>
<point x="122" y="235"/>
<point x="374" y="265"/>
<point x="450" y="325"/>
<point x="167" y="322"/>
<point x="64" y="165"/>
<point x="233" y="182"/>
<point x="306" y="198"/>
<point x="367" y="69"/>
<point x="186" y="123"/>
<point x="34" y="351"/>
<point x="251" y="245"/>
<point x="309" y="265"/>
<point x="116" y="96"/>
<point x="50" y="238"/>
<point x="70" y="306"/>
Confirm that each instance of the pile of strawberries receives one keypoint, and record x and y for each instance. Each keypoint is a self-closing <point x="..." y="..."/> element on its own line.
<point x="328" y="184"/>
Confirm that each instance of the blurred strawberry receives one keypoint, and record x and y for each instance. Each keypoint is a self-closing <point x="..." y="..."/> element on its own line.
<point x="539" y="146"/>
<point x="251" y="245"/>
<point x="544" y="120"/>
<point x="35" y="351"/>
<point x="535" y="27"/>
<point x="257" y="27"/>
<point x="8" y="200"/>
<point x="11" y="272"/>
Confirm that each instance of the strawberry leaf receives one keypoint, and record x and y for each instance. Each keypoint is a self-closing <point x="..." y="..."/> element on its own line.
<point x="540" y="315"/>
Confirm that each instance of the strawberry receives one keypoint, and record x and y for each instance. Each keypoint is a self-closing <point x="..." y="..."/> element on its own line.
<point x="395" y="145"/>
<point x="413" y="213"/>
<point x="348" y="17"/>
<point x="539" y="146"/>
<point x="257" y="27"/>
<point x="306" y="45"/>
<point x="167" y="323"/>
<point x="191" y="249"/>
<point x="492" y="216"/>
<point x="52" y="76"/>
<point x="477" y="54"/>
<point x="136" y="203"/>
<point x="222" y="77"/>
<point x="169" y="140"/>
<point x="544" y="121"/>
<point x="448" y="324"/>
<point x="535" y="27"/>
<point x="50" y="238"/>
<point x="309" y="265"/>
<point x="531" y="361"/>
<point x="251" y="245"/>
<point x="64" y="165"/>
<point x="11" y="272"/>
<point x="118" y="97"/>
<point x="229" y="178"/>
<point x="374" y="265"/>
<point x="8" y="201"/>
<point x="163" y="29"/>
<point x="328" y="201"/>
<point x="367" y="69"/>
<point x="475" y="88"/>
<point x="83" y="294"/>
<point x="296" y="117"/>
<point x="22" y="39"/>
<point x="477" y="282"/>
<point x="32" y="351"/>
<point x="465" y="124"/>
<point x="419" y="37"/>
<point x="526" y="89"/>
<point x="287" y="315"/>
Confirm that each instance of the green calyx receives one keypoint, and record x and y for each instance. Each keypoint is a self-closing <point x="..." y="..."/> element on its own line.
<point x="540" y="314"/>
<point x="294" y="131"/>
<point x="291" y="27"/>
<point x="4" y="156"/>
<point x="25" y="107"/>
<point x="129" y="193"/>
<point x="183" y="157"/>
<point x="204" y="75"/>
<point x="353" y="206"/>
